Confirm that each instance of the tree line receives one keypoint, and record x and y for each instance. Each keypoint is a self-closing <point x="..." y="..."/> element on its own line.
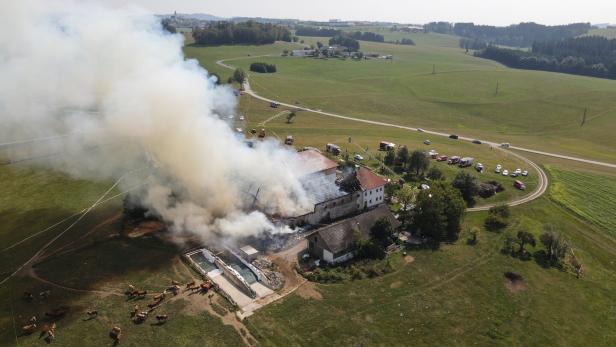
<point x="314" y="31"/>
<point x="590" y="56"/>
<point x="345" y="40"/>
<point x="250" y="32"/>
<point x="517" y="35"/>
<point x="367" y="36"/>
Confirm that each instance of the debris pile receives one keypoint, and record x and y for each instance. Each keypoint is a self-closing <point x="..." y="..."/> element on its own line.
<point x="271" y="278"/>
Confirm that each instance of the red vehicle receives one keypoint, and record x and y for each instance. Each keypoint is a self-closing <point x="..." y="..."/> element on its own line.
<point x="442" y="158"/>
<point x="519" y="184"/>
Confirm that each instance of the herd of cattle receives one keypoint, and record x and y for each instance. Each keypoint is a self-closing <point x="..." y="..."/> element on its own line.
<point x="48" y="331"/>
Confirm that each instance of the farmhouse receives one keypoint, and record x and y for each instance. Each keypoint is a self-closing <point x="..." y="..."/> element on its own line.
<point x="334" y="243"/>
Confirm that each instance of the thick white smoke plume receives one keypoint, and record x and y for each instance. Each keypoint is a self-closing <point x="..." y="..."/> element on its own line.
<point x="123" y="86"/>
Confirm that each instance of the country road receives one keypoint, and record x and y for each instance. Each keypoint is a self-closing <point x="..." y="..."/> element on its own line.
<point x="542" y="183"/>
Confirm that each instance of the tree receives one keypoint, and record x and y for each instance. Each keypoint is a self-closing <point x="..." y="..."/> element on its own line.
<point x="367" y="249"/>
<point x="435" y="174"/>
<point x="525" y="238"/>
<point x="556" y="247"/>
<point x="390" y="190"/>
<point x="390" y="157"/>
<point x="290" y="117"/>
<point x="466" y="183"/>
<point x="239" y="76"/>
<point x="402" y="157"/>
<point x="346" y="41"/>
<point x="439" y="212"/>
<point x="319" y="45"/>
<point x="418" y="162"/>
<point x="407" y="195"/>
<point x="382" y="232"/>
<point x="216" y="77"/>
<point x="472" y="236"/>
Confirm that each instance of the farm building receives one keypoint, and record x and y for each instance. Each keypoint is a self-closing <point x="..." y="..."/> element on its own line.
<point x="314" y="163"/>
<point x="334" y="243"/>
<point x="302" y="52"/>
<point x="360" y="189"/>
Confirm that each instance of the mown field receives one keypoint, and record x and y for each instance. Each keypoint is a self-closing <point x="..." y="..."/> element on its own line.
<point x="535" y="109"/>
<point x="590" y="196"/>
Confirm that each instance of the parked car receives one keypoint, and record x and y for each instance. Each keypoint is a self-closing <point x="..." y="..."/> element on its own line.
<point x="333" y="149"/>
<point x="466" y="162"/>
<point x="433" y="154"/>
<point x="452" y="136"/>
<point x="424" y="186"/>
<point x="274" y="105"/>
<point x="386" y="146"/>
<point x="519" y="184"/>
<point x="454" y="160"/>
<point x="420" y="130"/>
<point x="524" y="173"/>
<point x="479" y="167"/>
<point x="514" y="174"/>
<point x="289" y="140"/>
<point x="427" y="142"/>
<point x="358" y="157"/>
<point x="253" y="131"/>
<point x="498" y="168"/>
<point x="505" y="145"/>
<point x="477" y="142"/>
<point x="442" y="158"/>
<point x="506" y="173"/>
<point x="518" y="171"/>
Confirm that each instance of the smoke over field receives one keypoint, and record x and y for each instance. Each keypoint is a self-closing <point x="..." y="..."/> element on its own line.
<point x="123" y="88"/>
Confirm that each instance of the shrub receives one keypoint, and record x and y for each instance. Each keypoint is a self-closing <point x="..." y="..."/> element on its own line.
<point x="262" y="68"/>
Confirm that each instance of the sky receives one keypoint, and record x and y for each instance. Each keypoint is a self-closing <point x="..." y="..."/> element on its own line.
<point x="493" y="12"/>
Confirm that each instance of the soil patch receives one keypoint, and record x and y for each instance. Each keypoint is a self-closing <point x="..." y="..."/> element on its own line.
<point x="395" y="285"/>
<point x="514" y="282"/>
<point x="308" y="290"/>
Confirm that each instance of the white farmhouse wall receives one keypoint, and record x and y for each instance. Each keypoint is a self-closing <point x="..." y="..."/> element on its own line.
<point x="372" y="197"/>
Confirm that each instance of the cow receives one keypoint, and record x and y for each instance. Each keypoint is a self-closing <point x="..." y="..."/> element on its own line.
<point x="161" y="318"/>
<point x="28" y="329"/>
<point x="175" y="283"/>
<point x="160" y="296"/>
<point x="175" y="289"/>
<point x="44" y="294"/>
<point x="190" y="285"/>
<point x="134" y="311"/>
<point x="116" y="333"/>
<point x="141" y="293"/>
<point x="92" y="313"/>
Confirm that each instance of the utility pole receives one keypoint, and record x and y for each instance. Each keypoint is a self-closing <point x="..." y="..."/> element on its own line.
<point x="584" y="117"/>
<point x="496" y="92"/>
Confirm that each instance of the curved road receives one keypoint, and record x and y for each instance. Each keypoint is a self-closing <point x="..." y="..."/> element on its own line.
<point x="542" y="183"/>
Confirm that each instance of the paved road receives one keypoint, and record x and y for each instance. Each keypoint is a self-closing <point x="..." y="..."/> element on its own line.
<point x="542" y="183"/>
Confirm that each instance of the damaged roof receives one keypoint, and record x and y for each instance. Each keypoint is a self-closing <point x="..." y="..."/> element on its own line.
<point x="312" y="161"/>
<point x="338" y="237"/>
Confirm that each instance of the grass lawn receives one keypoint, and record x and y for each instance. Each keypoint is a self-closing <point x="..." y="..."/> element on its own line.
<point x="536" y="109"/>
<point x="457" y="296"/>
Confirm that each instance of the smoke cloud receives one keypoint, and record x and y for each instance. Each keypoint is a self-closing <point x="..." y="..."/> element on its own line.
<point x="122" y="87"/>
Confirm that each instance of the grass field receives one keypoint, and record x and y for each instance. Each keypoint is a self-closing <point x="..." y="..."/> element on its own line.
<point x="590" y="196"/>
<point x="536" y="109"/>
<point x="610" y="33"/>
<point x="314" y="130"/>
<point x="457" y="296"/>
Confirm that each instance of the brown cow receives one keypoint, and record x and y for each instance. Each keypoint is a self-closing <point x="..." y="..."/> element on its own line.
<point x="160" y="296"/>
<point x="141" y="293"/>
<point x="190" y="285"/>
<point x="161" y="318"/>
<point x="175" y="283"/>
<point x="135" y="310"/>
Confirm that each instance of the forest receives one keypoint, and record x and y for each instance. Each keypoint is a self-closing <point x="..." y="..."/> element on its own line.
<point x="224" y="33"/>
<point x="588" y="55"/>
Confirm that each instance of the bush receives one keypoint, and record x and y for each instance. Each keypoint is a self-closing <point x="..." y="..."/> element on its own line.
<point x="262" y="68"/>
<point x="498" y="218"/>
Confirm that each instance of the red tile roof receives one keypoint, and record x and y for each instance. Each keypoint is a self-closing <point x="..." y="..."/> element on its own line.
<point x="312" y="161"/>
<point x="369" y="180"/>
